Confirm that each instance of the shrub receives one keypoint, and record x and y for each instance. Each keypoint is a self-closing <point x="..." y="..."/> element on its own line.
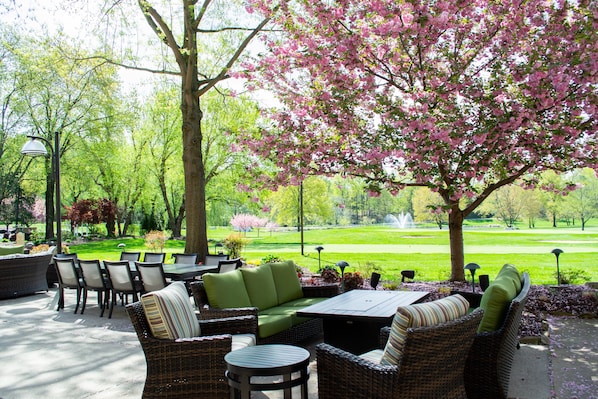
<point x="154" y="240"/>
<point x="234" y="244"/>
<point x="329" y="274"/>
<point x="353" y="281"/>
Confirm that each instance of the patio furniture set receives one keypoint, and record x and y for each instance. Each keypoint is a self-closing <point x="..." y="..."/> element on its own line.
<point x="128" y="276"/>
<point x="435" y="349"/>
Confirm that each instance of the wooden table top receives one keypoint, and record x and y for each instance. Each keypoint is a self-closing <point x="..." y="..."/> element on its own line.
<point x="370" y="305"/>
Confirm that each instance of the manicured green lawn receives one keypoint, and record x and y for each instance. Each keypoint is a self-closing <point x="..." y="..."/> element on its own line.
<point x="388" y="250"/>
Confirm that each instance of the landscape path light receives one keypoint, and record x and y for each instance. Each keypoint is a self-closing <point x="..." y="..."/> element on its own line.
<point x="342" y="265"/>
<point x="319" y="248"/>
<point x="472" y="267"/>
<point x="35" y="148"/>
<point x="556" y="253"/>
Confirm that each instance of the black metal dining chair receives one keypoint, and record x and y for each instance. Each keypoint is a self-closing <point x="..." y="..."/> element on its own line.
<point x="68" y="277"/>
<point x="185" y="258"/>
<point x="154" y="257"/>
<point x="131" y="256"/>
<point x="151" y="275"/>
<point x="122" y="282"/>
<point x="94" y="280"/>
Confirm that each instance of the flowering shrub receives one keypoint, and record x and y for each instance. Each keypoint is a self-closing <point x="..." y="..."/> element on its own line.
<point x="154" y="240"/>
<point x="353" y="281"/>
<point x="271" y="259"/>
<point x="234" y="244"/>
<point x="329" y="275"/>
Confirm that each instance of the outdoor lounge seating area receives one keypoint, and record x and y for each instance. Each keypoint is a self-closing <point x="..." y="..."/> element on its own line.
<point x="271" y="292"/>
<point x="37" y="333"/>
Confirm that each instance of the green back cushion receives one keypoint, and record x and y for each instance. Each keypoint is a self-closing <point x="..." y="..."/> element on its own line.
<point x="226" y="290"/>
<point x="420" y="315"/>
<point x="260" y="286"/>
<point x="512" y="272"/>
<point x="286" y="281"/>
<point x="495" y="302"/>
<point x="169" y="312"/>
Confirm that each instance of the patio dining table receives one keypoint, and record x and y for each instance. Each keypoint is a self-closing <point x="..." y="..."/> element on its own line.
<point x="177" y="271"/>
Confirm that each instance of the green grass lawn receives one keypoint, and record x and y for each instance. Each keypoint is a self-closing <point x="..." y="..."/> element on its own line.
<point x="388" y="250"/>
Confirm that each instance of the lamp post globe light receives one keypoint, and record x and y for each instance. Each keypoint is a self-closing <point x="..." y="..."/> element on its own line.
<point x="37" y="147"/>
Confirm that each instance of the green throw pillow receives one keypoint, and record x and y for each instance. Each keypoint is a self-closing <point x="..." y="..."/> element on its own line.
<point x="286" y="281"/>
<point x="420" y="315"/>
<point x="226" y="290"/>
<point x="512" y="272"/>
<point x="495" y="302"/>
<point x="260" y="286"/>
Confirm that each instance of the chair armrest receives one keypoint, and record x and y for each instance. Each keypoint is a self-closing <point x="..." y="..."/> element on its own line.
<point x="320" y="291"/>
<point x="384" y="335"/>
<point x="229" y="325"/>
<point x="473" y="298"/>
<point x="216" y="313"/>
<point x="342" y="374"/>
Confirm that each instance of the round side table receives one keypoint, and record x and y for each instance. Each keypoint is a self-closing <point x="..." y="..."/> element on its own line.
<point x="267" y="361"/>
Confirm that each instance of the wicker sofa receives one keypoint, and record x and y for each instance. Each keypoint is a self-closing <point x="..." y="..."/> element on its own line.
<point x="488" y="366"/>
<point x="23" y="274"/>
<point x="272" y="292"/>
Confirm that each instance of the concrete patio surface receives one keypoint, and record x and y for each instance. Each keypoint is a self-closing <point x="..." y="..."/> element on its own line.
<point x="50" y="354"/>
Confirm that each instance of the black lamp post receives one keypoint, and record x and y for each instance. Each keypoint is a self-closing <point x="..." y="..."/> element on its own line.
<point x="35" y="148"/>
<point x="319" y="249"/>
<point x="342" y="264"/>
<point x="472" y="267"/>
<point x="556" y="253"/>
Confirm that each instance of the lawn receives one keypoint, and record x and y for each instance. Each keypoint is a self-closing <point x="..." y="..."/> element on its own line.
<point x="389" y="250"/>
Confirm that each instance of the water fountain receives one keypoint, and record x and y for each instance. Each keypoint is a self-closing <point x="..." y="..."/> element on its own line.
<point x="401" y="221"/>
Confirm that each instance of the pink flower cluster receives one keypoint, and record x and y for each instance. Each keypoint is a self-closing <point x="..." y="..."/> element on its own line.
<point x="462" y="97"/>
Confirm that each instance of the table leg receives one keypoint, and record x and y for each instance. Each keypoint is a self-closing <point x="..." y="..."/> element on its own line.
<point x="305" y="378"/>
<point x="287" y="391"/>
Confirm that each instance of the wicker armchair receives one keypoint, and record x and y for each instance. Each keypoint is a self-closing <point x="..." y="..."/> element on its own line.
<point x="488" y="367"/>
<point x="188" y="368"/>
<point x="432" y="366"/>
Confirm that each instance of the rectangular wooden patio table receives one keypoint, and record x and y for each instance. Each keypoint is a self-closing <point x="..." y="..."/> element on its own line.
<point x="352" y="320"/>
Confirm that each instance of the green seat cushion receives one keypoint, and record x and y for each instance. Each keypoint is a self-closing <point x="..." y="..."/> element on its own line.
<point x="260" y="286"/>
<point x="272" y="324"/>
<point x="289" y="311"/>
<point x="304" y="302"/>
<point x="226" y="290"/>
<point x="512" y="272"/>
<point x="420" y="315"/>
<point x="495" y="302"/>
<point x="286" y="281"/>
<point x="169" y="312"/>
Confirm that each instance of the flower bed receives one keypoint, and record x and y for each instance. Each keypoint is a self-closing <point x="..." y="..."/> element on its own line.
<point x="543" y="301"/>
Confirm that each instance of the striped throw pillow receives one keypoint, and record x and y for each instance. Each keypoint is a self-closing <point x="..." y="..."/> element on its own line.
<point x="169" y="312"/>
<point x="420" y="315"/>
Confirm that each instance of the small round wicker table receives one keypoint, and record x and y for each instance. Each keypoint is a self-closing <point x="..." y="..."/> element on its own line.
<point x="286" y="365"/>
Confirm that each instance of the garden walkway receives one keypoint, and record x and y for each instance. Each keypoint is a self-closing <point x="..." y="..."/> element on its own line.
<point x="49" y="354"/>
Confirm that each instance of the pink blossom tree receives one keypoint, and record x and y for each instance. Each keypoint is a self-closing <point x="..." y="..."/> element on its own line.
<point x="245" y="222"/>
<point x="463" y="97"/>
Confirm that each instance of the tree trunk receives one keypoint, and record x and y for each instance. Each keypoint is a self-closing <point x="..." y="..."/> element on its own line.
<point x="195" y="179"/>
<point x="456" y="244"/>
